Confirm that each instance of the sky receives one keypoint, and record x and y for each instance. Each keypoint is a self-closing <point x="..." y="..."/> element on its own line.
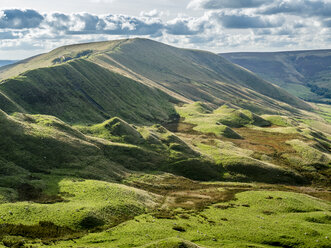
<point x="30" y="27"/>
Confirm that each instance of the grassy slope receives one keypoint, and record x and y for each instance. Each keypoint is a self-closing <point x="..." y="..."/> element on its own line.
<point x="44" y="144"/>
<point x="197" y="75"/>
<point x="44" y="160"/>
<point x="269" y="148"/>
<point x="82" y="199"/>
<point x="290" y="70"/>
<point x="45" y="60"/>
<point x="82" y="92"/>
<point x="33" y="146"/>
<point x="185" y="74"/>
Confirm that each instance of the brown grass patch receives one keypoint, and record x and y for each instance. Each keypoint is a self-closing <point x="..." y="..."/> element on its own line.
<point x="264" y="142"/>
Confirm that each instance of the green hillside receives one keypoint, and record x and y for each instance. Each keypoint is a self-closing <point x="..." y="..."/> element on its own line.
<point x="187" y="75"/>
<point x="305" y="74"/>
<point x="83" y="92"/>
<point x="197" y="75"/>
<point x="90" y="186"/>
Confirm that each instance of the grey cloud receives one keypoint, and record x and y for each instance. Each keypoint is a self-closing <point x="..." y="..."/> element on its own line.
<point x="245" y="21"/>
<point x="91" y="22"/>
<point x="180" y="27"/>
<point x="232" y="4"/>
<point x="79" y="24"/>
<point x="299" y="7"/>
<point x="185" y="26"/>
<point x="57" y="21"/>
<point x="84" y="23"/>
<point x="121" y="24"/>
<point x="20" y="19"/>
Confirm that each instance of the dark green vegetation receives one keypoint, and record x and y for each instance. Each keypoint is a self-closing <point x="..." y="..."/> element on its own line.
<point x="133" y="143"/>
<point x="305" y="74"/>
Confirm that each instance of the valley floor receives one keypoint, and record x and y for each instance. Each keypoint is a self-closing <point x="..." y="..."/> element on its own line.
<point x="171" y="211"/>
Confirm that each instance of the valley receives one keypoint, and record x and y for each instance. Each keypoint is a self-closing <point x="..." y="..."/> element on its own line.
<point x="134" y="143"/>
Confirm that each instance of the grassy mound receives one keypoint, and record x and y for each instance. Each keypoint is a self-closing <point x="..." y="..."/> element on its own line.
<point x="219" y="121"/>
<point x="205" y="121"/>
<point x="241" y="166"/>
<point x="86" y="204"/>
<point x="310" y="158"/>
<point x="116" y="130"/>
<point x="239" y="118"/>
<point x="277" y="120"/>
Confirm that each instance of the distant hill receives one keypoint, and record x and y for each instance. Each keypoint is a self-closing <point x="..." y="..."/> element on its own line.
<point x="7" y="62"/>
<point x="81" y="83"/>
<point x="305" y="74"/>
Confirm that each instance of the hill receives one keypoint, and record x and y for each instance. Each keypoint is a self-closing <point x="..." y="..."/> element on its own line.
<point x="305" y="74"/>
<point x="185" y="75"/>
<point x="82" y="92"/>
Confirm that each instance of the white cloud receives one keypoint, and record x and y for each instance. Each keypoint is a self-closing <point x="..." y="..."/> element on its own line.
<point x="240" y="26"/>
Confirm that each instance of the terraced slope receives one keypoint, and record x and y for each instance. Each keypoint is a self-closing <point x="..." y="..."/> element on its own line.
<point x="305" y="74"/>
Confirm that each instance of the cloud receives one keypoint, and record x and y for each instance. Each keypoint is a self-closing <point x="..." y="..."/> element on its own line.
<point x="60" y="24"/>
<point x="223" y="26"/>
<point x="231" y="4"/>
<point x="20" y="19"/>
<point x="187" y="25"/>
<point x="148" y="23"/>
<point x="242" y="21"/>
<point x="85" y="23"/>
<point x="298" y="7"/>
